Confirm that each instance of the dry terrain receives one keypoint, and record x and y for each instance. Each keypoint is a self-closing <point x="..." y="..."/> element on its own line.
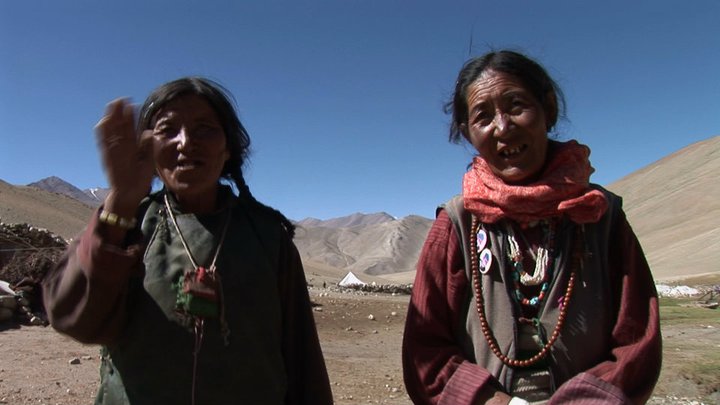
<point x="362" y="354"/>
<point x="672" y="204"/>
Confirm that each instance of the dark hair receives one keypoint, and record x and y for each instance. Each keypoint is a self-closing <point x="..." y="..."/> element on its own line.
<point x="530" y="73"/>
<point x="237" y="138"/>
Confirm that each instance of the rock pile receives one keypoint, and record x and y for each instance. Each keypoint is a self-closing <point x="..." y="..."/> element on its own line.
<point x="27" y="253"/>
<point x="394" y="289"/>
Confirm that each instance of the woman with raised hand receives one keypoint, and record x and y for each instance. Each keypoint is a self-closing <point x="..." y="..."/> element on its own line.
<point x="196" y="292"/>
<point x="531" y="286"/>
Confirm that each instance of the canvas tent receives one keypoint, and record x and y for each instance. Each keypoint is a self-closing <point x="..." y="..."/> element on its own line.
<point x="351" y="280"/>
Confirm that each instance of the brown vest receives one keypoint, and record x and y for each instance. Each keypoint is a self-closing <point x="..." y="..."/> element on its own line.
<point x="585" y="336"/>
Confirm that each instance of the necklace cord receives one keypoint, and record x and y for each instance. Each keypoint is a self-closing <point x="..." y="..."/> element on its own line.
<point x="184" y="243"/>
<point x="199" y="321"/>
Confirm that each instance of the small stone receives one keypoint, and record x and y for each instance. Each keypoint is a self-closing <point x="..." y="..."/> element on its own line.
<point x="318" y="309"/>
<point x="393" y="313"/>
<point x="75" y="361"/>
<point x="371" y="317"/>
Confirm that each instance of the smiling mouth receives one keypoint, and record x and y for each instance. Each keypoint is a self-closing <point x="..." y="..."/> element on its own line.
<point x="189" y="164"/>
<point x="510" y="153"/>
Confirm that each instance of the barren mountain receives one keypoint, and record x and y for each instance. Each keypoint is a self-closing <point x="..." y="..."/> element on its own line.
<point x="674" y="207"/>
<point x="56" y="212"/>
<point x="57" y="185"/>
<point x="672" y="204"/>
<point x="348" y="221"/>
<point x="97" y="194"/>
<point x="376" y="249"/>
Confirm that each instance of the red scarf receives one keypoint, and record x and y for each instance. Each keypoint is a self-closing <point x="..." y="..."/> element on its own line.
<point x="563" y="189"/>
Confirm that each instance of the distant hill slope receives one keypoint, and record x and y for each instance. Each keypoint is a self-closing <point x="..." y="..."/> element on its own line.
<point x="674" y="207"/>
<point x="97" y="194"/>
<point x="672" y="204"/>
<point x="356" y="219"/>
<point x="374" y="249"/>
<point x="58" y="185"/>
<point x="55" y="212"/>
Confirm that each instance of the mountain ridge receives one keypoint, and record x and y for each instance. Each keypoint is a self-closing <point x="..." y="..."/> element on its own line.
<point x="672" y="204"/>
<point x="356" y="219"/>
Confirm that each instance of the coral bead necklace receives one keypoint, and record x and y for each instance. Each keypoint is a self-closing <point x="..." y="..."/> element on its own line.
<point x="480" y="303"/>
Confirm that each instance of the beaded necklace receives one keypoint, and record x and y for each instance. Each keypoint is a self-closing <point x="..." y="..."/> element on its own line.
<point x="543" y="264"/>
<point x="480" y="303"/>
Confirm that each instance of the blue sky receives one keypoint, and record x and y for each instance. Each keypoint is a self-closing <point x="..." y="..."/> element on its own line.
<point x="343" y="98"/>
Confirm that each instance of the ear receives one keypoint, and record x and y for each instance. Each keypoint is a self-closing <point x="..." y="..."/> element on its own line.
<point x="551" y="110"/>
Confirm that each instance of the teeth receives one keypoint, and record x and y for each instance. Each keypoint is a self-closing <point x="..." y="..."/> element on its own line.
<point x="510" y="152"/>
<point x="187" y="164"/>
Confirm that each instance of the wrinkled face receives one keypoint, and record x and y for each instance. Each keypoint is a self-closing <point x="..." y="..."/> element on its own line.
<point x="189" y="148"/>
<point x="507" y="125"/>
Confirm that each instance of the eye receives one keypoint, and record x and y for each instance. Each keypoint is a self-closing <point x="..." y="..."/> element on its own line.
<point x="165" y="131"/>
<point x="517" y="105"/>
<point x="207" y="130"/>
<point x="482" y="118"/>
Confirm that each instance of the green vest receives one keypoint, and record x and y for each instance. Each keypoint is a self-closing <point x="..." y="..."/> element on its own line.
<point x="152" y="362"/>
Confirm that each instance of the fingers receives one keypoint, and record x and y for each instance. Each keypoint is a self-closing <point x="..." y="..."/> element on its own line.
<point x="117" y="126"/>
<point x="116" y="114"/>
<point x="145" y="144"/>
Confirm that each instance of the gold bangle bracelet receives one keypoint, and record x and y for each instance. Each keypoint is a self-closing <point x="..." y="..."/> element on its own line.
<point x="114" y="220"/>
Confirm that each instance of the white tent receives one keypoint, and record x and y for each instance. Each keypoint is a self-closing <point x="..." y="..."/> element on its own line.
<point x="350" y="280"/>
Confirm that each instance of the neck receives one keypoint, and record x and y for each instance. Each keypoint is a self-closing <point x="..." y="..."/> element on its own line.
<point x="197" y="203"/>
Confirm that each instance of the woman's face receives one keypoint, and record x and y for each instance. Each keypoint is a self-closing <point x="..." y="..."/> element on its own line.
<point x="189" y="148"/>
<point x="507" y="126"/>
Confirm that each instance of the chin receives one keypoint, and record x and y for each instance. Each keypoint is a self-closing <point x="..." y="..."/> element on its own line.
<point x="515" y="176"/>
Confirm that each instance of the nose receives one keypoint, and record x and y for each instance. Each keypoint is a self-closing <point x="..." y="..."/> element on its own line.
<point x="184" y="139"/>
<point x="501" y="121"/>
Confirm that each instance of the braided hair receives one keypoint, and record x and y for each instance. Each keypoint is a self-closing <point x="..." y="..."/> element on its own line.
<point x="237" y="138"/>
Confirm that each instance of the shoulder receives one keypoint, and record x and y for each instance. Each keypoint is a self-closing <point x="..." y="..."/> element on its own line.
<point x="263" y="220"/>
<point x="614" y="200"/>
<point x="449" y="218"/>
<point x="614" y="203"/>
<point x="453" y="206"/>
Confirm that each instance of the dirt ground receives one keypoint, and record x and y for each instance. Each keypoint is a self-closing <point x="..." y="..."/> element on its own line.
<point x="362" y="355"/>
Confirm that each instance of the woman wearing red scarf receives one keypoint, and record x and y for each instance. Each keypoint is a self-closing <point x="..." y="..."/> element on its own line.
<point x="531" y="286"/>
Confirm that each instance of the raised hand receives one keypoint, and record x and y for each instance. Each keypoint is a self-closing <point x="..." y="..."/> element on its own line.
<point x="126" y="157"/>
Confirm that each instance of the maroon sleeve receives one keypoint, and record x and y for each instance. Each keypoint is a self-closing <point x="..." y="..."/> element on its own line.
<point x="84" y="295"/>
<point x="308" y="381"/>
<point x="434" y="367"/>
<point x="633" y="367"/>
